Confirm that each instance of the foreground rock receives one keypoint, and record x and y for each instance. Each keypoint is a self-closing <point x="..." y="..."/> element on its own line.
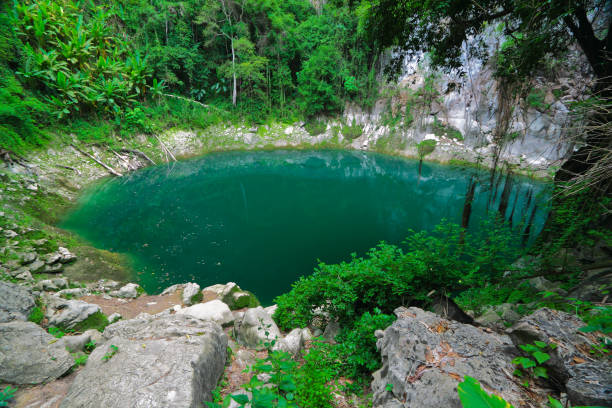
<point x="425" y="357"/>
<point x="255" y="328"/>
<point x="171" y="361"/>
<point x="587" y="380"/>
<point x="30" y="355"/>
<point x="16" y="302"/>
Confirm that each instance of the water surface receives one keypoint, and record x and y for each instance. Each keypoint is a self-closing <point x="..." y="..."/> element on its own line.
<point x="262" y="219"/>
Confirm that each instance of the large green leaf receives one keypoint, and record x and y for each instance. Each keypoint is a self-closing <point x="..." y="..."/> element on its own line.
<point x="472" y="395"/>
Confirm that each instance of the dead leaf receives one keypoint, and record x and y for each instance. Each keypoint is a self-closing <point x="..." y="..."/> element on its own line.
<point x="578" y="360"/>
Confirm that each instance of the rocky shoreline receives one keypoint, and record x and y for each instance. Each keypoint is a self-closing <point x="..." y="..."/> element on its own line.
<point x="173" y="348"/>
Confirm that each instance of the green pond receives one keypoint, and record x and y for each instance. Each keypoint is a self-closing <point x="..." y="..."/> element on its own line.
<point x="264" y="218"/>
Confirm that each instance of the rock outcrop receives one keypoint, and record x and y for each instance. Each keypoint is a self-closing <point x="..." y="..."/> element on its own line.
<point x="256" y="328"/>
<point x="587" y="380"/>
<point x="232" y="295"/>
<point x="30" y="355"/>
<point x="16" y="302"/>
<point x="425" y="357"/>
<point x="171" y="361"/>
<point x="68" y="313"/>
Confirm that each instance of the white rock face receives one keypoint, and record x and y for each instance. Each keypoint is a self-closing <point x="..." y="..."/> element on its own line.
<point x="128" y="291"/>
<point x="189" y="291"/>
<point x="215" y="311"/>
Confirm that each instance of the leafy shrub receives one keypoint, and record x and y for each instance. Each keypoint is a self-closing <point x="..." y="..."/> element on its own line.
<point x="535" y="99"/>
<point x="532" y="366"/>
<point x="56" y="332"/>
<point x="426" y="147"/>
<point x="358" y="344"/>
<point x="315" y="127"/>
<point x="80" y="360"/>
<point x="390" y="276"/>
<point x="353" y="131"/>
<point x="71" y="53"/>
<point x="36" y="315"/>
<point x="6" y="395"/>
<point x="321" y="366"/>
<point x="319" y="81"/>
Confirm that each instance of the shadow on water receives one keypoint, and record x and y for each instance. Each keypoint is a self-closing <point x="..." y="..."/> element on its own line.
<point x="262" y="219"/>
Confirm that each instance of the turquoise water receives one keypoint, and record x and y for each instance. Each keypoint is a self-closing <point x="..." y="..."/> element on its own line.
<point x="262" y="219"/>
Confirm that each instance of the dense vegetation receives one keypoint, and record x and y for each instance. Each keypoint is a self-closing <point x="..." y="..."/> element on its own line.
<point x="130" y="66"/>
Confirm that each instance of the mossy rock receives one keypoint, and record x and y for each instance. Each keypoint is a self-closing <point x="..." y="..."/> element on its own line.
<point x="238" y="299"/>
<point x="96" y="321"/>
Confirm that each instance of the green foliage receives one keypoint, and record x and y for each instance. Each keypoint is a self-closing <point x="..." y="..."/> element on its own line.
<point x="357" y="344"/>
<point x="90" y="346"/>
<point x="535" y="99"/>
<point x="6" y="395"/>
<point x="112" y="350"/>
<point x="472" y="395"/>
<point x="425" y="148"/>
<point x="314" y="378"/>
<point x="319" y="81"/>
<point x="96" y="321"/>
<point x="353" y="131"/>
<point x="56" y="332"/>
<point x="36" y="315"/>
<point x="80" y="360"/>
<point x="507" y="291"/>
<point x="71" y="52"/>
<point x="390" y="276"/>
<point x="315" y="127"/>
<point x="531" y="367"/>
<point x="445" y="130"/>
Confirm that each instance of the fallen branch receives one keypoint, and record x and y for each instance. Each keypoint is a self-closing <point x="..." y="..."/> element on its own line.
<point x="138" y="153"/>
<point x="110" y="169"/>
<point x="166" y="150"/>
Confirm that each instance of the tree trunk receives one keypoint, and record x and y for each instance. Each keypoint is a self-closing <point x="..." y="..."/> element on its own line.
<point x="233" y="71"/>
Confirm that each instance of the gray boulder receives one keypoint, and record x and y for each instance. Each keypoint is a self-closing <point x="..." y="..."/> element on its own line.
<point x="171" y="361"/>
<point x="256" y="328"/>
<point x="65" y="255"/>
<point x="215" y="311"/>
<point x="28" y="257"/>
<point x="68" y="313"/>
<point x="36" y="266"/>
<point x="292" y="343"/>
<point x="570" y="362"/>
<point x="16" y="302"/>
<point x="425" y="357"/>
<point x="30" y="355"/>
<point x="129" y="291"/>
<point x="233" y="296"/>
